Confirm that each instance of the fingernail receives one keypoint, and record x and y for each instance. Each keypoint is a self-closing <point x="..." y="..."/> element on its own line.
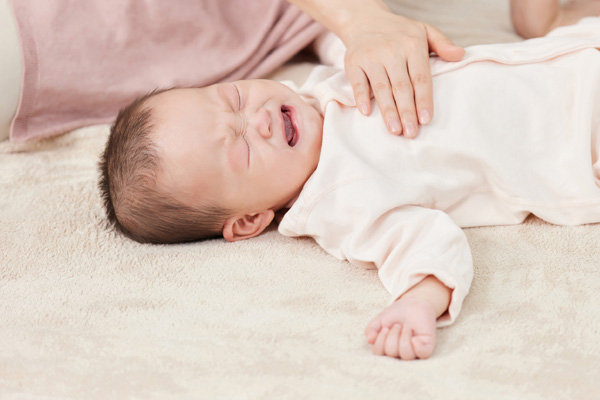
<point x="363" y="108"/>
<point x="424" y="117"/>
<point x="410" y="130"/>
<point x="394" y="125"/>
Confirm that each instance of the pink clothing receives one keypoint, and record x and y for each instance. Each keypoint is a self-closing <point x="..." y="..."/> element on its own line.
<point x="84" y="60"/>
<point x="516" y="132"/>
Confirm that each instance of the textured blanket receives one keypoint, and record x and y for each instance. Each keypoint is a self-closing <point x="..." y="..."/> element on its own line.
<point x="88" y="314"/>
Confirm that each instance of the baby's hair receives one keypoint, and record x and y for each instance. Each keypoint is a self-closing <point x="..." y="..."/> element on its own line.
<point x="128" y="175"/>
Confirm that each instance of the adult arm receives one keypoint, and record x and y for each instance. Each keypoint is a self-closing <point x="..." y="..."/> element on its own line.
<point x="388" y="54"/>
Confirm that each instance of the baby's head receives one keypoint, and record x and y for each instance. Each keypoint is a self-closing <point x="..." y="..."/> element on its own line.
<point x="189" y="164"/>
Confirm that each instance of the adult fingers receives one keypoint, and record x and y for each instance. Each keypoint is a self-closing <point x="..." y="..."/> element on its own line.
<point x="382" y="90"/>
<point x="360" y="88"/>
<point x="442" y="46"/>
<point x="404" y="98"/>
<point x="420" y="76"/>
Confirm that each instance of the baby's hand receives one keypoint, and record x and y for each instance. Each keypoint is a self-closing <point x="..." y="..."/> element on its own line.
<point x="406" y="329"/>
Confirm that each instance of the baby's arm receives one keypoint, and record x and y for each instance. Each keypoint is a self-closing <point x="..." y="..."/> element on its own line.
<point x="406" y="329"/>
<point x="534" y="18"/>
<point x="413" y="249"/>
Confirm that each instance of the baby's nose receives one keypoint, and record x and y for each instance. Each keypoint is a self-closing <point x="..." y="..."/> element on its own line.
<point x="261" y="121"/>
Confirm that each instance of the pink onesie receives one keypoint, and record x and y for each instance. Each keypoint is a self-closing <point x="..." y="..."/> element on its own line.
<point x="516" y="132"/>
<point x="84" y="60"/>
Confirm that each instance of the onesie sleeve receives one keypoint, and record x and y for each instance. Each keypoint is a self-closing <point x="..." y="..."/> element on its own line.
<point x="408" y="243"/>
<point x="404" y="243"/>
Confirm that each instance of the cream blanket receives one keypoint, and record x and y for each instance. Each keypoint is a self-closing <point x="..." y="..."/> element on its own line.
<point x="87" y="314"/>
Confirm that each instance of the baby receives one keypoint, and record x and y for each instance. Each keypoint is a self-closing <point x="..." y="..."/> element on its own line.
<point x="515" y="133"/>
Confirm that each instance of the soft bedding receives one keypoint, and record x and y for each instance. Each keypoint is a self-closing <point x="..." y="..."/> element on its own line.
<point x="88" y="314"/>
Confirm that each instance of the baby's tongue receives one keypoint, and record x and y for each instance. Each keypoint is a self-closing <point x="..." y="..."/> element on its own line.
<point x="289" y="129"/>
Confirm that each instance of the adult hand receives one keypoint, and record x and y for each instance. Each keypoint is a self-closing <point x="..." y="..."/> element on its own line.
<point x="389" y="54"/>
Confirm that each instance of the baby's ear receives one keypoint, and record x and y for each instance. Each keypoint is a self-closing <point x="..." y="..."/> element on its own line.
<point x="248" y="226"/>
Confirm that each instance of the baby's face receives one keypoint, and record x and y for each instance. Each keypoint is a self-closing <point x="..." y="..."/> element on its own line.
<point x="248" y="146"/>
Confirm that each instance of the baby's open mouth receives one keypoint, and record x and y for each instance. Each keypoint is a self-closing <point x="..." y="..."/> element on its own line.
<point x="291" y="134"/>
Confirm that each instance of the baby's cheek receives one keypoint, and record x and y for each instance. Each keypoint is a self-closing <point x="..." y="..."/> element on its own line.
<point x="239" y="155"/>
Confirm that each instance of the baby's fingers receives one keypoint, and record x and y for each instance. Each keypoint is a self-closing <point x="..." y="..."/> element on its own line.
<point x="391" y="342"/>
<point x="372" y="329"/>
<point x="379" y="346"/>
<point x="423" y="346"/>
<point x="406" y="348"/>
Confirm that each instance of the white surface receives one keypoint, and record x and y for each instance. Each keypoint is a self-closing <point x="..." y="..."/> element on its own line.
<point x="87" y="314"/>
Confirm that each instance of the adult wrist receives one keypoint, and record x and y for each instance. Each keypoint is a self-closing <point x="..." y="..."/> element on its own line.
<point x="351" y="25"/>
